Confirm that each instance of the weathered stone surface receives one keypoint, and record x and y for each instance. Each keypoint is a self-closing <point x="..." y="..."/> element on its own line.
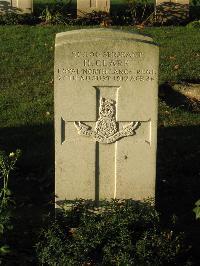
<point x="87" y="6"/>
<point x="99" y="34"/>
<point x="105" y="115"/>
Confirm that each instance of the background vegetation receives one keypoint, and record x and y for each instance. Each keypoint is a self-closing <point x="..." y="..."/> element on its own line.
<point x="122" y="12"/>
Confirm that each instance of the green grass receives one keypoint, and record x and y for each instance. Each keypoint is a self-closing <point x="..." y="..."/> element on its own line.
<point x="26" y="122"/>
<point x="27" y="68"/>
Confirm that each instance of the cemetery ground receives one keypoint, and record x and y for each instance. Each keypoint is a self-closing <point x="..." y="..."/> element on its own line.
<point x="26" y="123"/>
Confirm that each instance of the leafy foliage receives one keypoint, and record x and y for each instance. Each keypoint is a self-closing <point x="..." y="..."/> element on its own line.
<point x="7" y="164"/>
<point x="58" y="13"/>
<point x="196" y="210"/>
<point x="123" y="12"/>
<point x="117" y="233"/>
<point x="194" y="24"/>
<point x="138" y="11"/>
<point x="15" y="19"/>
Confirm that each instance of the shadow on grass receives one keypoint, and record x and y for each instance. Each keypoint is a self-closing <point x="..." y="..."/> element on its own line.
<point x="178" y="179"/>
<point x="178" y="182"/>
<point x="194" y="12"/>
<point x="32" y="185"/>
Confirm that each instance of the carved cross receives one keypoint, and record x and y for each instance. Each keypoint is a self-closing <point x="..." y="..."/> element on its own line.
<point x="106" y="129"/>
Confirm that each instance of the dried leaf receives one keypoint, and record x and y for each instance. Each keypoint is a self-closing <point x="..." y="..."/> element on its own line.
<point x="172" y="57"/>
<point x="176" y="67"/>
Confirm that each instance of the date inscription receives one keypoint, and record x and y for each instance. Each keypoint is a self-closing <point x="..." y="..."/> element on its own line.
<point x="106" y="66"/>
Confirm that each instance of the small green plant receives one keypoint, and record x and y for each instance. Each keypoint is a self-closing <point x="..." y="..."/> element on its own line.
<point x="46" y="15"/>
<point x="138" y="11"/>
<point x="57" y="13"/>
<point x="51" y="16"/>
<point x="7" y="164"/>
<point x="117" y="233"/>
<point x="196" y="210"/>
<point x="194" y="24"/>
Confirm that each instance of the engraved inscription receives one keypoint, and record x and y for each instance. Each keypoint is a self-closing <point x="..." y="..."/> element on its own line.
<point x="106" y="66"/>
<point x="107" y="129"/>
<point x="103" y="74"/>
<point x="105" y="63"/>
<point x="108" y="54"/>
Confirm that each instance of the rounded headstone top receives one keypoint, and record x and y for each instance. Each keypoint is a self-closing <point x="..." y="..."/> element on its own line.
<point x="85" y="34"/>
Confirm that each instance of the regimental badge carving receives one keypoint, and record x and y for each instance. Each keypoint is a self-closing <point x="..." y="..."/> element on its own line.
<point x="107" y="129"/>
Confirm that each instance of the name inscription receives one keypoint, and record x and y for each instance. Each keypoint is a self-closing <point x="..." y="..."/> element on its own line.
<point x="106" y="66"/>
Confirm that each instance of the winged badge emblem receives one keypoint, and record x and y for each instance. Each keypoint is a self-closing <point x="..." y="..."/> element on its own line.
<point x="106" y="130"/>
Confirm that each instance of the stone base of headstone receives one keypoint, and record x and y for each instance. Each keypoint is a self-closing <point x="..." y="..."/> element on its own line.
<point x="88" y="6"/>
<point x="24" y="6"/>
<point x="16" y="6"/>
<point x="171" y="13"/>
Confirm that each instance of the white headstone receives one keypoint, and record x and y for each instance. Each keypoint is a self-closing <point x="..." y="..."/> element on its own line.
<point x="106" y="87"/>
<point x="87" y="6"/>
